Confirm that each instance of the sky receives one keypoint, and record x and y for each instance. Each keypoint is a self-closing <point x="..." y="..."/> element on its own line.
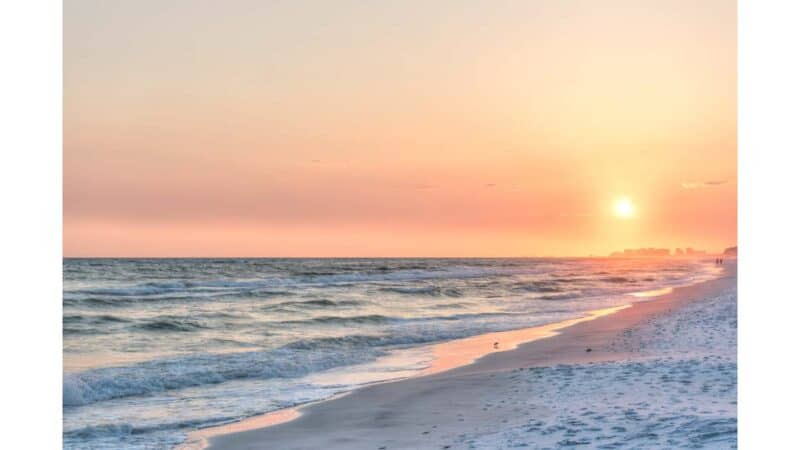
<point x="415" y="128"/>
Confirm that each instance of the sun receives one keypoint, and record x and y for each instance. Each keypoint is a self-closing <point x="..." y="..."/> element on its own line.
<point x="623" y="208"/>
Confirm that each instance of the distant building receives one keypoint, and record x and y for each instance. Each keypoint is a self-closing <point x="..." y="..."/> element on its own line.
<point x="652" y="252"/>
<point x="641" y="252"/>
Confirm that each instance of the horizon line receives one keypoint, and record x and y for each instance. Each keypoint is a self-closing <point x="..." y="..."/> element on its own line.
<point x="394" y="257"/>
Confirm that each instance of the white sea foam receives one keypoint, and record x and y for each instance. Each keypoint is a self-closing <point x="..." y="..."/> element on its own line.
<point x="171" y="374"/>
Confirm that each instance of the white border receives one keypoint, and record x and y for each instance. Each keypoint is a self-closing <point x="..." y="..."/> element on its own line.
<point x="769" y="229"/>
<point x="30" y="261"/>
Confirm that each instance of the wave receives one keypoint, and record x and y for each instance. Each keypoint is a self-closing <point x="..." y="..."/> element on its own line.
<point x="618" y="280"/>
<point x="537" y="286"/>
<point x="93" y="319"/>
<point x="99" y="324"/>
<point x="144" y="289"/>
<point x="276" y="286"/>
<point x="575" y="279"/>
<point x="449" y="305"/>
<point x="171" y="323"/>
<point x="434" y="273"/>
<point x="558" y="296"/>
<point x="433" y="291"/>
<point x="67" y="330"/>
<point x="379" y="319"/>
<point x="94" y="299"/>
<point x="370" y="318"/>
<point x="310" y="304"/>
<point x="154" y="376"/>
<point x="293" y="360"/>
<point x="86" y="324"/>
<point x="122" y="430"/>
<point x="355" y="340"/>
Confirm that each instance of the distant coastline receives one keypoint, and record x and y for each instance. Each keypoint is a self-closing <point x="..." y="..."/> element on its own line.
<point x="687" y="252"/>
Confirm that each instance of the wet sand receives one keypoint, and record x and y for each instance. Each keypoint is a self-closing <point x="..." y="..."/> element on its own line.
<point x="442" y="409"/>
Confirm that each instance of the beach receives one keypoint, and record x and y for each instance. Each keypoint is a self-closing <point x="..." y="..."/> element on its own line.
<point x="658" y="374"/>
<point x="165" y="352"/>
<point x="397" y="225"/>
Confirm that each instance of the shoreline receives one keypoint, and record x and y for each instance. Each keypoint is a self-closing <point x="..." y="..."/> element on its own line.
<point x="353" y="419"/>
<point x="448" y="355"/>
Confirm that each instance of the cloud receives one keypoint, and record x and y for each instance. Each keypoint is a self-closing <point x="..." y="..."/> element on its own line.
<point x="702" y="184"/>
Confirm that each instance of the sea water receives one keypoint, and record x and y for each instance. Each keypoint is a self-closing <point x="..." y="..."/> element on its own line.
<point x="156" y="348"/>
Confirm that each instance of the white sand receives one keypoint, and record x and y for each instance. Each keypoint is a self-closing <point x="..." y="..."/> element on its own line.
<point x="678" y="391"/>
<point x="661" y="374"/>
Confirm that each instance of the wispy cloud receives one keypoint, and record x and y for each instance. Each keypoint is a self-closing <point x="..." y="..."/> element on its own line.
<point x="702" y="184"/>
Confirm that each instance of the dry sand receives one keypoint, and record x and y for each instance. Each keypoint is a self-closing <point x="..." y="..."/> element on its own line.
<point x="659" y="373"/>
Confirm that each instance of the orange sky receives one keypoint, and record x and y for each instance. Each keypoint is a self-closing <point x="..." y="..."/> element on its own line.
<point x="458" y="128"/>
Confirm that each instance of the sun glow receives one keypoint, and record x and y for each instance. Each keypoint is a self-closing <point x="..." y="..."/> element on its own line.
<point x="623" y="208"/>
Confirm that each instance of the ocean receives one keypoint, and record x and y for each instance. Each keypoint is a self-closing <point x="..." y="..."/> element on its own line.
<point x="156" y="348"/>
